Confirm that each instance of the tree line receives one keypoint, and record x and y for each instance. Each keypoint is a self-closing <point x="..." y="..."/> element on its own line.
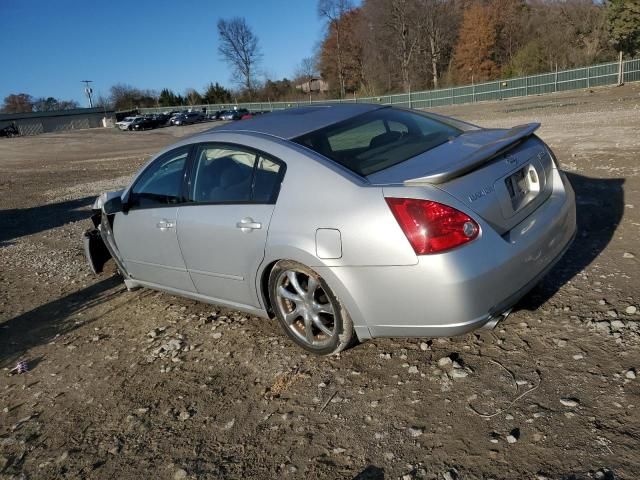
<point x="24" y="103"/>
<point x="391" y="46"/>
<point x="385" y="46"/>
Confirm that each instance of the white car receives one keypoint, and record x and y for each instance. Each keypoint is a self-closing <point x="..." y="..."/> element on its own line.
<point x="126" y="122"/>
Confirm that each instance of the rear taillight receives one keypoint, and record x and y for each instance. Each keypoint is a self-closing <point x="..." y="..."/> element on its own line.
<point x="432" y="227"/>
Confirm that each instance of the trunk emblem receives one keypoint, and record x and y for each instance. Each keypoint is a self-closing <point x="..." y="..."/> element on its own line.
<point x="510" y="159"/>
<point x="482" y="193"/>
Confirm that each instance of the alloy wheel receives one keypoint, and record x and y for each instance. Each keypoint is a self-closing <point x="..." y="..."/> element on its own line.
<point x="307" y="310"/>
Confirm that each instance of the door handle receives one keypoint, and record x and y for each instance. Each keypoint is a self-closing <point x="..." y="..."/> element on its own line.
<point x="165" y="224"/>
<point x="247" y="224"/>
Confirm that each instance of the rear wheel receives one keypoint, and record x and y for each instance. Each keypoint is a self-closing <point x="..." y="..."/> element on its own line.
<point x="307" y="309"/>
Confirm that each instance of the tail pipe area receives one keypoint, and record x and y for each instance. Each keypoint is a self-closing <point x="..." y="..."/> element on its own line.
<point x="494" y="320"/>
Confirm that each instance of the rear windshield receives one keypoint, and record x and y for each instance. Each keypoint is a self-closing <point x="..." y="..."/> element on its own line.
<point x="380" y="139"/>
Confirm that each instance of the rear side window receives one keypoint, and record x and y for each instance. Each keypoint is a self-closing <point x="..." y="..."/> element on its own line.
<point x="229" y="174"/>
<point x="380" y="139"/>
<point x="222" y="175"/>
<point x="267" y="180"/>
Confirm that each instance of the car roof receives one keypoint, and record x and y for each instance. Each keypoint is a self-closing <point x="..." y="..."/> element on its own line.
<point x="293" y="122"/>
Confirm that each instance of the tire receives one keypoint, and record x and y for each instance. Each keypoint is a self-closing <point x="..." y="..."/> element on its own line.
<point x="315" y="320"/>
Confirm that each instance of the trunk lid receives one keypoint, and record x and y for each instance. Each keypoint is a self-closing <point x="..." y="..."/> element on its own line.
<point x="501" y="174"/>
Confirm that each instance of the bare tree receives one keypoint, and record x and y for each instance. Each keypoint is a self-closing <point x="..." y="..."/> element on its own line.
<point x="102" y="102"/>
<point x="397" y="24"/>
<point x="439" y="19"/>
<point x="405" y="24"/>
<point x="17" y="103"/>
<point x="333" y="10"/>
<point x="306" y="69"/>
<point x="123" y="97"/>
<point x="239" y="48"/>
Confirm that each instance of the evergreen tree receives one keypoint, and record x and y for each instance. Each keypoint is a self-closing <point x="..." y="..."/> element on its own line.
<point x="623" y="17"/>
<point x="169" y="99"/>
<point x="216" y="94"/>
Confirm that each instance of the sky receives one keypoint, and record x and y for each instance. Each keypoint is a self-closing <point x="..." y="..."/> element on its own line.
<point x="49" y="46"/>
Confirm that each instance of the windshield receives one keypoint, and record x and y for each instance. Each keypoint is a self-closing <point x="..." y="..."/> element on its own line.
<point x="380" y="139"/>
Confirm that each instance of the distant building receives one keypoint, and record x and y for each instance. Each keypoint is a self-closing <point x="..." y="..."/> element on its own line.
<point x="33" y="123"/>
<point x="314" y="85"/>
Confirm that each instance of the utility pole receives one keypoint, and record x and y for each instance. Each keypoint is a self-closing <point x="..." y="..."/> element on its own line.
<point x="88" y="90"/>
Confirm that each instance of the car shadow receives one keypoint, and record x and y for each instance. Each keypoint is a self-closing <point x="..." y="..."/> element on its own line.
<point x="18" y="222"/>
<point x="40" y="325"/>
<point x="599" y="210"/>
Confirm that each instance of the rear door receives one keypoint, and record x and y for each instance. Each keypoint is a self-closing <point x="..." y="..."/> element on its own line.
<point x="146" y="234"/>
<point x="223" y="230"/>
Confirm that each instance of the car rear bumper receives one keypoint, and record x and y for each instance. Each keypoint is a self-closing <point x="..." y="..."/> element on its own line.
<point x="461" y="290"/>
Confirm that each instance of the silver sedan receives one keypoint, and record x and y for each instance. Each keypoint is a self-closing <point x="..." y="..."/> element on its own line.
<point x="346" y="222"/>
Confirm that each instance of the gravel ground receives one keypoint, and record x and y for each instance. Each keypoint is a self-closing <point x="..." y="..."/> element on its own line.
<point x="145" y="385"/>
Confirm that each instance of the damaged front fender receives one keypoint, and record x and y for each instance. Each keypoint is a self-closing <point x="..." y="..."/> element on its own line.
<point x="99" y="245"/>
<point x="95" y="251"/>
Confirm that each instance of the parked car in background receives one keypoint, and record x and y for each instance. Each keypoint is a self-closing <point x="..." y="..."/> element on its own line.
<point x="344" y="221"/>
<point x="126" y="122"/>
<point x="187" y="118"/>
<point x="160" y="119"/>
<point x="145" y="123"/>
<point x="193" y="117"/>
<point x="234" y="114"/>
<point x="10" y="130"/>
<point x="176" y="117"/>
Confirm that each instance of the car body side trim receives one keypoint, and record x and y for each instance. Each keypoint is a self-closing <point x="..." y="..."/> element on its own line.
<point x="151" y="264"/>
<point x="218" y="275"/>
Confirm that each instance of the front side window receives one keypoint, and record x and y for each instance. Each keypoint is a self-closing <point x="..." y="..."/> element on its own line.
<point x="161" y="183"/>
<point x="379" y="139"/>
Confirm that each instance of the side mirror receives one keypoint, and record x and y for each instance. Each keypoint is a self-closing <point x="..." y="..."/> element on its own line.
<point x="113" y="206"/>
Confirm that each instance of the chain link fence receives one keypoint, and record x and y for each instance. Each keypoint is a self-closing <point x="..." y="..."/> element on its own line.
<point x="612" y="73"/>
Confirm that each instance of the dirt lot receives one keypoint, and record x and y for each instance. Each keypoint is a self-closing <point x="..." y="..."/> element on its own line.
<point x="141" y="384"/>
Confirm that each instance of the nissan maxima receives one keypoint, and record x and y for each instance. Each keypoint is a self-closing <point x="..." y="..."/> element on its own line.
<point x="345" y="222"/>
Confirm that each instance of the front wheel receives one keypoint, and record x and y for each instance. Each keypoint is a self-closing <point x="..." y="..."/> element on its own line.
<point x="307" y="309"/>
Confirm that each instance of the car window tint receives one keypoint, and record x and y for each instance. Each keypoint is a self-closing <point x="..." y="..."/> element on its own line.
<point x="267" y="181"/>
<point x="379" y="139"/>
<point x="222" y="174"/>
<point x="358" y="137"/>
<point x="160" y="184"/>
<point x="397" y="127"/>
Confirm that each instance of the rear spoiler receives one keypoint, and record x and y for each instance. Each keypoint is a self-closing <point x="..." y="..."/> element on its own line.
<point x="480" y="156"/>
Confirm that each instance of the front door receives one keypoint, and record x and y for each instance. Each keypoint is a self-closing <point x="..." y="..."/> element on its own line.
<point x="223" y="229"/>
<point x="146" y="234"/>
